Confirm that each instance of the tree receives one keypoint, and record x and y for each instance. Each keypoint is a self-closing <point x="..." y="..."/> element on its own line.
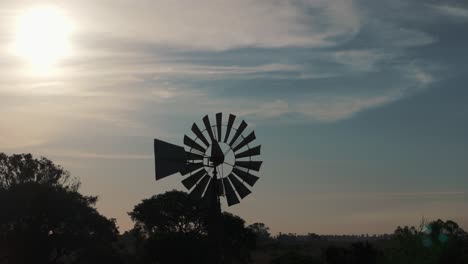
<point x="364" y="253"/>
<point x="24" y="168"/>
<point x="238" y="240"/>
<point x="261" y="231"/>
<point x="170" y="212"/>
<point x="295" y="258"/>
<point x="175" y="228"/>
<point x="434" y="242"/>
<point x="358" y="253"/>
<point x="43" y="217"/>
<point x="337" y="255"/>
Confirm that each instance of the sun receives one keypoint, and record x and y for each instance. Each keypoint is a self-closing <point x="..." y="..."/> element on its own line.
<point x="42" y="36"/>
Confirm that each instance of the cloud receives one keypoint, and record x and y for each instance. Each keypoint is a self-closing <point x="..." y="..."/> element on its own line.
<point x="333" y="109"/>
<point x="91" y="155"/>
<point x="360" y="60"/>
<point x="220" y="25"/>
<point x="451" y="11"/>
<point x="271" y="109"/>
<point x="420" y="75"/>
<point x="219" y="70"/>
<point x="38" y="120"/>
<point x="149" y="57"/>
<point x="389" y="34"/>
<point x="309" y="108"/>
<point x="165" y="93"/>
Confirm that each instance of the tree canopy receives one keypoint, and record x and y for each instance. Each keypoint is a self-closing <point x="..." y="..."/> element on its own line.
<point x="43" y="217"/>
<point x="434" y="242"/>
<point x="260" y="230"/>
<point x="24" y="168"/>
<point x="171" y="211"/>
<point x="176" y="230"/>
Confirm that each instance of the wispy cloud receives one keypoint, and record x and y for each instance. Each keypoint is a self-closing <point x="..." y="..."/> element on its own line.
<point x="310" y="108"/>
<point x="221" y="25"/>
<point x="451" y="11"/>
<point x="148" y="57"/>
<point x="338" y="108"/>
<point x="388" y="34"/>
<point x="361" y="60"/>
<point x="92" y="155"/>
<point x="422" y="76"/>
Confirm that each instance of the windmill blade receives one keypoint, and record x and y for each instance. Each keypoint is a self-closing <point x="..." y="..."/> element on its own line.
<point x="239" y="186"/>
<point x="199" y="134"/>
<point x="197" y="192"/>
<point x="245" y="141"/>
<point x="207" y="199"/>
<point x="206" y="121"/>
<point x="219" y="123"/>
<point x="231" y="196"/>
<point x="231" y="120"/>
<point x="193" y="156"/>
<point x="191" y="180"/>
<point x="191" y="143"/>
<point x="168" y="159"/>
<point x="239" y="131"/>
<point x="245" y="176"/>
<point x="210" y="190"/>
<point x="190" y="167"/>
<point x="220" y="187"/>
<point x="249" y="153"/>
<point x="251" y="165"/>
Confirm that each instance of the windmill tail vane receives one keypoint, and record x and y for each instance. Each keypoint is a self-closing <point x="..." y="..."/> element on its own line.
<point x="217" y="157"/>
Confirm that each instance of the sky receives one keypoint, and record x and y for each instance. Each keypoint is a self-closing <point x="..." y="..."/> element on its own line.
<point x="360" y="105"/>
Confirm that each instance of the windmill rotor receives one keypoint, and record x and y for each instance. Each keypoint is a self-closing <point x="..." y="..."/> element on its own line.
<point x="217" y="156"/>
<point x="229" y="154"/>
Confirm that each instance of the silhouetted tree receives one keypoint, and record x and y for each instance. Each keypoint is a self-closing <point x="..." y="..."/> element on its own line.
<point x="337" y="255"/>
<point x="364" y="253"/>
<point x="44" y="219"/>
<point x="313" y="236"/>
<point x="238" y="240"/>
<point x="23" y="168"/>
<point x="286" y="237"/>
<point x="175" y="229"/>
<point x="260" y="230"/>
<point x="130" y="247"/>
<point x="296" y="258"/>
<point x="170" y="212"/>
<point x="358" y="253"/>
<point x="432" y="243"/>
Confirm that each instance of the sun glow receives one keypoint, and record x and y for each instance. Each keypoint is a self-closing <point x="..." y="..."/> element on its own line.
<point x="42" y="37"/>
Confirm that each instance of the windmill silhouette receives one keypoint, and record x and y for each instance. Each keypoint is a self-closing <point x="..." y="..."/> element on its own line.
<point x="216" y="162"/>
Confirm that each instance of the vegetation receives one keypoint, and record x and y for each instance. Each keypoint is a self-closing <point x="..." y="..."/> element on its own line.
<point x="45" y="219"/>
<point x="173" y="228"/>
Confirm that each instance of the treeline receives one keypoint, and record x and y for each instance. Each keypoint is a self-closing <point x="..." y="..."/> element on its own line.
<point x="45" y="219"/>
<point x="293" y="237"/>
<point x="432" y="242"/>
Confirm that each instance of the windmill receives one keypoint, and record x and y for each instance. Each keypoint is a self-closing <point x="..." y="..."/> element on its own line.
<point x="218" y="161"/>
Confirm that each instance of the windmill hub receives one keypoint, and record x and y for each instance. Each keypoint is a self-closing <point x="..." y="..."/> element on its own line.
<point x="228" y="160"/>
<point x="217" y="155"/>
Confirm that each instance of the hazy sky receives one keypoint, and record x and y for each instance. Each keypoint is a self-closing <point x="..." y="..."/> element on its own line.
<point x="361" y="106"/>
